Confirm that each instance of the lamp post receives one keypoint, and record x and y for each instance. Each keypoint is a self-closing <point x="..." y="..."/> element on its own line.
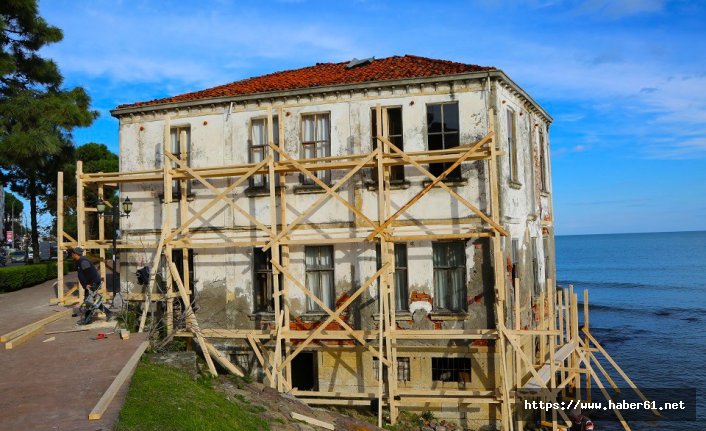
<point x="127" y="209"/>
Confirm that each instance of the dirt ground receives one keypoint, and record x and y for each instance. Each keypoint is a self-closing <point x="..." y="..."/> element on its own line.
<point x="53" y="385"/>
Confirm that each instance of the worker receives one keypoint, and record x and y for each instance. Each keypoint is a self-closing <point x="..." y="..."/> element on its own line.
<point x="91" y="282"/>
<point x="579" y="421"/>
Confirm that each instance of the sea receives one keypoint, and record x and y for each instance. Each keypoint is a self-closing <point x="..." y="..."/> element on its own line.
<point x="647" y="299"/>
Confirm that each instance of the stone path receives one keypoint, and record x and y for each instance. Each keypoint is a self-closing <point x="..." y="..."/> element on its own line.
<point x="53" y="385"/>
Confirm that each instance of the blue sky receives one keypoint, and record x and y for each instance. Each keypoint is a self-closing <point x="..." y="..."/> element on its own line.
<point x="625" y="80"/>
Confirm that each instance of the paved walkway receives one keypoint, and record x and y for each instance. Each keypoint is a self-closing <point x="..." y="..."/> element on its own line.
<point x="53" y="385"/>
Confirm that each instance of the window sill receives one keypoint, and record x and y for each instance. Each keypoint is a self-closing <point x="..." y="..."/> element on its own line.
<point x="394" y="185"/>
<point x="263" y="316"/>
<point x="305" y="189"/>
<point x="515" y="185"/>
<point x="175" y="198"/>
<point x="401" y="316"/>
<point x="448" y="315"/>
<point x="260" y="191"/>
<point x="314" y="316"/>
<point x="453" y="182"/>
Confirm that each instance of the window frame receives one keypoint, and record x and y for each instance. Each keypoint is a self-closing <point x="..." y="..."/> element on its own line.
<point x="404" y="374"/>
<point x="397" y="174"/>
<point x="454" y="175"/>
<point x="447" y="271"/>
<point x="512" y="152"/>
<point x="175" y="148"/>
<point x="311" y="306"/>
<point x="264" y="178"/>
<point x="401" y="290"/>
<point x="451" y="365"/>
<point x="267" y="297"/>
<point x="323" y="175"/>
<point x="543" y="161"/>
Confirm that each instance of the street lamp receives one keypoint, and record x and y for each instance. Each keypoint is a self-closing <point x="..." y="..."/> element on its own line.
<point x="127" y="209"/>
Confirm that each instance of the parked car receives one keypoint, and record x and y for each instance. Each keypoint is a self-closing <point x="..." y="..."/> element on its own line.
<point x="17" y="256"/>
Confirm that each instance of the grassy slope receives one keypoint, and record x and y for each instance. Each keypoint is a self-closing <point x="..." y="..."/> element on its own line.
<point x="163" y="398"/>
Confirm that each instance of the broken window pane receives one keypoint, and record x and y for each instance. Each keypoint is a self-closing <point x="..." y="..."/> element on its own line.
<point x="394" y="134"/>
<point x="451" y="369"/>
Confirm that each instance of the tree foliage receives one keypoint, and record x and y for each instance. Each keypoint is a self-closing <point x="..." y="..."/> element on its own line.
<point x="36" y="114"/>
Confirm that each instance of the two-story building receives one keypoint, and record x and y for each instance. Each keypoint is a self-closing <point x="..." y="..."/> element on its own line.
<point x="285" y="193"/>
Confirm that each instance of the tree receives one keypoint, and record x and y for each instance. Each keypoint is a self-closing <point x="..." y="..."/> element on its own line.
<point x="36" y="114"/>
<point x="96" y="158"/>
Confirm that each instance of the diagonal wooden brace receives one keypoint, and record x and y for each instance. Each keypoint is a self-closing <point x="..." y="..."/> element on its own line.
<point x="330" y="191"/>
<point x="193" y="324"/>
<point x="530" y="366"/>
<point x="346" y="326"/>
<point x="335" y="314"/>
<point x="214" y="190"/>
<point x="441" y="184"/>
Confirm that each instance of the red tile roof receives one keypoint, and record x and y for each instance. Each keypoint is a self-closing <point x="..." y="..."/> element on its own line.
<point x="327" y="74"/>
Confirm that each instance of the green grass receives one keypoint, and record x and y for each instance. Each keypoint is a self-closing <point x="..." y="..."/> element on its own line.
<point x="164" y="398"/>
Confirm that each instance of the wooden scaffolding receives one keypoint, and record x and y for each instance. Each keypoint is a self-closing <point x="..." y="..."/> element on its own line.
<point x="565" y="356"/>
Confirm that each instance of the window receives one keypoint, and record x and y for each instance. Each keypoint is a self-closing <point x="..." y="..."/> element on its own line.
<point x="543" y="161"/>
<point x="451" y="369"/>
<point x="403" y="371"/>
<point x="259" y="148"/>
<point x="316" y="142"/>
<point x="319" y="275"/>
<point x="401" y="291"/>
<point x="512" y="143"/>
<point x="442" y="133"/>
<point x="177" y="135"/>
<point x="449" y="276"/>
<point x="401" y="295"/>
<point x="394" y="134"/>
<point x="263" y="280"/>
<point x="242" y="360"/>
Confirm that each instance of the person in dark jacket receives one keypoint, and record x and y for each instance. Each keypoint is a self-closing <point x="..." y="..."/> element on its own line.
<point x="579" y="421"/>
<point x="90" y="280"/>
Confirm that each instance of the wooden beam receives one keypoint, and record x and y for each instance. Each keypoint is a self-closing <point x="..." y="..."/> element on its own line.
<point x="223" y="197"/>
<point x="326" y="309"/>
<point x="117" y="383"/>
<point x="153" y="276"/>
<point x="435" y="180"/>
<point x="221" y="359"/>
<point x="32" y="326"/>
<point x="330" y="192"/>
<point x="312" y="421"/>
<point x="619" y="370"/>
<point x="330" y="318"/>
<point x="192" y="323"/>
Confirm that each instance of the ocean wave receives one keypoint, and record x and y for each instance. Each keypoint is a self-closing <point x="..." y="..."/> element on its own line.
<point x="624" y="285"/>
<point x="687" y="314"/>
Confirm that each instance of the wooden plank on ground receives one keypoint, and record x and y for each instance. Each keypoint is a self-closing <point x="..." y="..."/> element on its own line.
<point x="118" y="382"/>
<point x="312" y="421"/>
<point x="33" y="326"/>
